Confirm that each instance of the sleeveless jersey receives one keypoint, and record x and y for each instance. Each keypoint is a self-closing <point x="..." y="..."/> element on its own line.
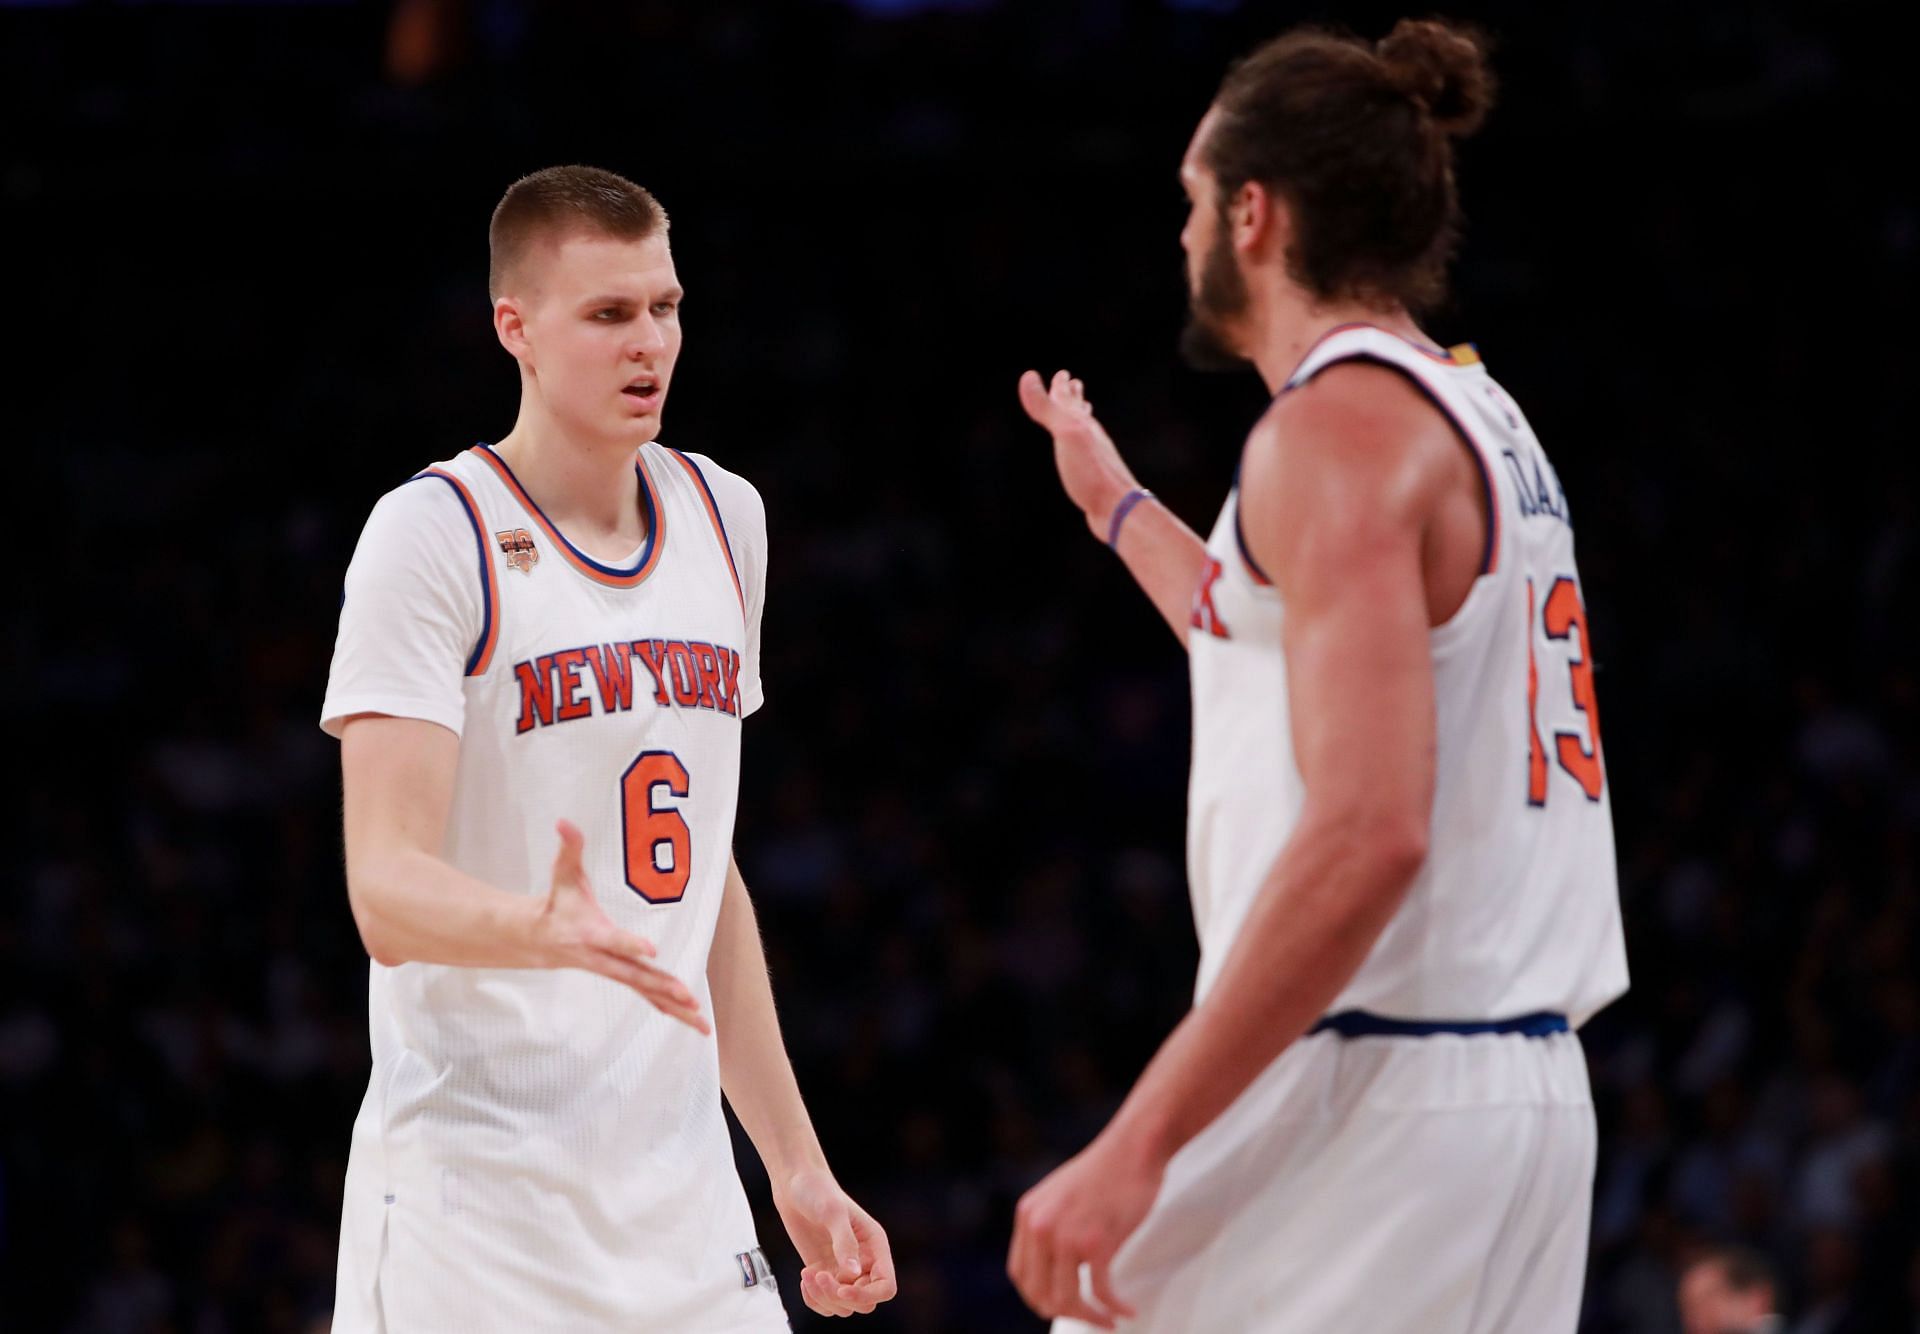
<point x="555" y="1142"/>
<point x="1516" y="909"/>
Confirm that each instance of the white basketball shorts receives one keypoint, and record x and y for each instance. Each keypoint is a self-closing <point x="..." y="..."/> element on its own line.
<point x="1393" y="1185"/>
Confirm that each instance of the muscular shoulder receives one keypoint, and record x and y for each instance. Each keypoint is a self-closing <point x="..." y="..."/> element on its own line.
<point x="1358" y="442"/>
<point x="1359" y="466"/>
<point x="1356" y="424"/>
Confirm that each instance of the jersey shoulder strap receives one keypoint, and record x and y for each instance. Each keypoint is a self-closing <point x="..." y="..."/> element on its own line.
<point x="1370" y="342"/>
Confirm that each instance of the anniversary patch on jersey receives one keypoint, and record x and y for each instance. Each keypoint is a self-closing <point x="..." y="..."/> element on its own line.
<point x="522" y="554"/>
<point x="561" y="686"/>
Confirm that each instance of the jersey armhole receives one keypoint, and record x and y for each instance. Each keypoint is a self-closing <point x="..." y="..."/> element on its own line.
<point x="1254" y="572"/>
<point x="1490" y="551"/>
<point x="482" y="656"/>
<point x="719" y="523"/>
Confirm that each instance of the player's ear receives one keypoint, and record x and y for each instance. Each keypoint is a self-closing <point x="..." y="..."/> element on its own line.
<point x="1259" y="218"/>
<point x="509" y="327"/>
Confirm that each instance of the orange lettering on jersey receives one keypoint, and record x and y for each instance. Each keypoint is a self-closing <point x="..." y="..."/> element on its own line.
<point x="1204" y="616"/>
<point x="653" y="652"/>
<point x="536" y="695"/>
<point x="729" y="681"/>
<point x="1565" y="617"/>
<point x="613" y="672"/>
<point x="708" y="664"/>
<point x="693" y="674"/>
<point x="686" y="685"/>
<point x="571" y="703"/>
<point x="1536" y="753"/>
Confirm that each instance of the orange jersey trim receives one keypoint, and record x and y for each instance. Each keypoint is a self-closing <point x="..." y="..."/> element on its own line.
<point x="489" y="582"/>
<point x="719" y="528"/>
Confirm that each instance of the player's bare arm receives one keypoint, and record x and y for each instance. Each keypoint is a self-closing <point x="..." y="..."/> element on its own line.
<point x="847" y="1264"/>
<point x="1162" y="553"/>
<point x="412" y="907"/>
<point x="1341" y="487"/>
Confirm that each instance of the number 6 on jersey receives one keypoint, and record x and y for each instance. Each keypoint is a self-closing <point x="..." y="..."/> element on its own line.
<point x="656" y="834"/>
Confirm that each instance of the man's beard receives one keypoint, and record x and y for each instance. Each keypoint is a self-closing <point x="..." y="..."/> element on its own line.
<point x="1221" y="294"/>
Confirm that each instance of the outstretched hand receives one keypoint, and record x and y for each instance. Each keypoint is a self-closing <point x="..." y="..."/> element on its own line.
<point x="847" y="1264"/>
<point x="574" y="931"/>
<point x="1091" y="470"/>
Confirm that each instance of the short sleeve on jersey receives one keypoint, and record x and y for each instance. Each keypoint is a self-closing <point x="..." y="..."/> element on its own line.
<point x="744" y="516"/>
<point x="413" y="613"/>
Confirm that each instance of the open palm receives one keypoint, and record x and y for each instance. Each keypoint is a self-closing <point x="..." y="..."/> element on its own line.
<point x="1092" y="472"/>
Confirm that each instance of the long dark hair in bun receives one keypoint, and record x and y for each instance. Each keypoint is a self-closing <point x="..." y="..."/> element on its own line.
<point x="1358" y="139"/>
<point x="1443" y="69"/>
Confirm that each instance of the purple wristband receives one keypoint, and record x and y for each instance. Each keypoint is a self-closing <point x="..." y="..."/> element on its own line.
<point x="1120" y="512"/>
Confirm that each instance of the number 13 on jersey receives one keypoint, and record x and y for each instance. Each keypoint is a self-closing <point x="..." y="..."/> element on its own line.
<point x="1563" y="618"/>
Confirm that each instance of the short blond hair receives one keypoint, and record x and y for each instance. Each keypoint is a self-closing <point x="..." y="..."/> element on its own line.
<point x="560" y="199"/>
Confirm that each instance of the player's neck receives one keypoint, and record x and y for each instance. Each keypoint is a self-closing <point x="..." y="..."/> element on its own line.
<point x="588" y="489"/>
<point x="1285" y="333"/>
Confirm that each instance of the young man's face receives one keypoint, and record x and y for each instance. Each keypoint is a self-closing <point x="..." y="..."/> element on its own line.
<point x="601" y="319"/>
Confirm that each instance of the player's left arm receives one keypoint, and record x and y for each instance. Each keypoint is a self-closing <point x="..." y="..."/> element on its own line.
<point x="848" y="1266"/>
<point x="1337" y="491"/>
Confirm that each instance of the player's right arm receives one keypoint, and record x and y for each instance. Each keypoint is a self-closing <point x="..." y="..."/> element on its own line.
<point x="1164" y="556"/>
<point x="395" y="701"/>
<point x="414" y="907"/>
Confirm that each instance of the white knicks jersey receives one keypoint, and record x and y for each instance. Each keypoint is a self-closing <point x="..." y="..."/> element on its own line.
<point x="540" y="1148"/>
<point x="1517" y="909"/>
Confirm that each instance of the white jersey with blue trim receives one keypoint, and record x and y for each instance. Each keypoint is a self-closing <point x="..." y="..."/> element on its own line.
<point x="540" y="1148"/>
<point x="1516" y="910"/>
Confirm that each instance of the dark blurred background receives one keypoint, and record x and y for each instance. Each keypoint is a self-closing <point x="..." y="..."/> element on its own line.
<point x="248" y="246"/>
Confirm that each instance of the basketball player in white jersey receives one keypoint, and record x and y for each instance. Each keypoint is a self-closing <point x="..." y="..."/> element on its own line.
<point x="547" y="647"/>
<point x="1376" y="1116"/>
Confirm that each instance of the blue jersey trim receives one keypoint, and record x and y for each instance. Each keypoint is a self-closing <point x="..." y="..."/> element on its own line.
<point x="1361" y="1024"/>
<point x="1239" y="533"/>
<point x="486" y="568"/>
<point x="1246" y="553"/>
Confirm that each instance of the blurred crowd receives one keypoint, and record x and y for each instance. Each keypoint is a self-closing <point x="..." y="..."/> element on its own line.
<point x="252" y="243"/>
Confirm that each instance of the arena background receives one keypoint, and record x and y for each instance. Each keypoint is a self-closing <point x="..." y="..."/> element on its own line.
<point x="248" y="245"/>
